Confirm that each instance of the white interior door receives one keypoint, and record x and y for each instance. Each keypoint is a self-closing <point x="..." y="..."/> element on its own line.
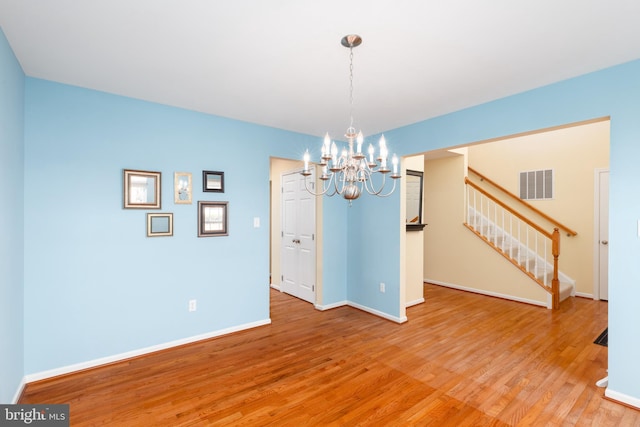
<point x="298" y="237"/>
<point x="603" y="234"/>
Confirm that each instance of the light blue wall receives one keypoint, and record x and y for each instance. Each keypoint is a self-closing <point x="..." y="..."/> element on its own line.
<point x="374" y="247"/>
<point x="613" y="92"/>
<point x="11" y="222"/>
<point x="95" y="285"/>
<point x="334" y="250"/>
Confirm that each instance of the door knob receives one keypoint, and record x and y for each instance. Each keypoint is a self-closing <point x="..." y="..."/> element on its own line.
<point x="604" y="242"/>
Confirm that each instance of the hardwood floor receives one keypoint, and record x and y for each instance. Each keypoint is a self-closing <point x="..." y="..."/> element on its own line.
<point x="461" y="360"/>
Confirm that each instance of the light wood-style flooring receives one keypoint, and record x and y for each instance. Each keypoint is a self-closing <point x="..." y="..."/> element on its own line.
<point x="461" y="360"/>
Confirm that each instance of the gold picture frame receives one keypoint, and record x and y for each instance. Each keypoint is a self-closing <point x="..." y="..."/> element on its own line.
<point x="159" y="224"/>
<point x="182" y="188"/>
<point x="142" y="189"/>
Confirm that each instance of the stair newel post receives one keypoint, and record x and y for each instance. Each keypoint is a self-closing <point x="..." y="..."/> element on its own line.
<point x="555" y="282"/>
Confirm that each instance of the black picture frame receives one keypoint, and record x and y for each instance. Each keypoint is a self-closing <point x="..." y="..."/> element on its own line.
<point x="213" y="181"/>
<point x="213" y="219"/>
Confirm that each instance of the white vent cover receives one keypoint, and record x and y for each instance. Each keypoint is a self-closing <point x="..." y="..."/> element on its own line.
<point x="536" y="185"/>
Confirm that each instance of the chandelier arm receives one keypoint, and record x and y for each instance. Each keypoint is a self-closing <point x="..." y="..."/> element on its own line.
<point x="373" y="190"/>
<point x="333" y="179"/>
<point x="322" y="193"/>
<point x="335" y="183"/>
<point x="390" y="192"/>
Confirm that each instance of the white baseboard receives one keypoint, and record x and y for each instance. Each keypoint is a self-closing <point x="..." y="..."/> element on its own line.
<point x="19" y="391"/>
<point x="134" y="353"/>
<point x="622" y="398"/>
<point x="584" y="295"/>
<point x="414" y="302"/>
<point x="378" y="313"/>
<point x="276" y="287"/>
<point x="488" y="293"/>
<point x="363" y="308"/>
<point x="330" y="306"/>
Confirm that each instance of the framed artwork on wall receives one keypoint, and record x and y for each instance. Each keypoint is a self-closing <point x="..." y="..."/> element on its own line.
<point x="182" y="188"/>
<point x="213" y="219"/>
<point x="159" y="224"/>
<point x="213" y="181"/>
<point x="141" y="189"/>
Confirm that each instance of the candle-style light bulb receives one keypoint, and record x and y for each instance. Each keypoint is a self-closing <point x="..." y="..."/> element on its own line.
<point x="306" y="160"/>
<point x="371" y="153"/>
<point x="383" y="152"/>
<point x="326" y="146"/>
<point x="359" y="140"/>
<point x="394" y="160"/>
<point x="334" y="153"/>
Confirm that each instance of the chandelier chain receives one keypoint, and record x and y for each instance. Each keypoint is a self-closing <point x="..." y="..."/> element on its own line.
<point x="351" y="86"/>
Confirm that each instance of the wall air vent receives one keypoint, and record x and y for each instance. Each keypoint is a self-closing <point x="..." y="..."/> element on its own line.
<point x="536" y="185"/>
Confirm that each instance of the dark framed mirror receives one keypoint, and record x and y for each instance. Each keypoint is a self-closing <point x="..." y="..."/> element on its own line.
<point x="213" y="219"/>
<point x="414" y="200"/>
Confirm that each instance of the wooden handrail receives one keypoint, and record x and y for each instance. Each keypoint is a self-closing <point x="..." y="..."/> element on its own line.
<point x="508" y="208"/>
<point x="569" y="231"/>
<point x="554" y="236"/>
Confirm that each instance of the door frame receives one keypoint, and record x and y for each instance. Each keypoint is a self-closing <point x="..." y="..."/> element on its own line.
<point x="596" y="231"/>
<point x="279" y="165"/>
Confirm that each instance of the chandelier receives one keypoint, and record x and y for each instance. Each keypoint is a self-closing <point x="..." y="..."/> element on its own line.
<point x="351" y="172"/>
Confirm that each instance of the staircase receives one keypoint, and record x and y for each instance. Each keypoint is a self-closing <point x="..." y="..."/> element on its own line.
<point x="521" y="254"/>
<point x="527" y="245"/>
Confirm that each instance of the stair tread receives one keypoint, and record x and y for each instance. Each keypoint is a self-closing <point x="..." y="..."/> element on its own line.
<point x="511" y="248"/>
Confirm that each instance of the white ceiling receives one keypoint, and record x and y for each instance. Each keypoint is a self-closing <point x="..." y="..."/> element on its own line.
<point x="280" y="62"/>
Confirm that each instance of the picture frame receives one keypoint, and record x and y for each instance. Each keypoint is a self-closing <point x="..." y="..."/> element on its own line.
<point x="159" y="224"/>
<point x="142" y="189"/>
<point x="213" y="219"/>
<point x="182" y="188"/>
<point x="213" y="181"/>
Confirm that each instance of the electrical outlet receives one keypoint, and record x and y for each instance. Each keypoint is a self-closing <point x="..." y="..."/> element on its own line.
<point x="193" y="305"/>
<point x="382" y="287"/>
